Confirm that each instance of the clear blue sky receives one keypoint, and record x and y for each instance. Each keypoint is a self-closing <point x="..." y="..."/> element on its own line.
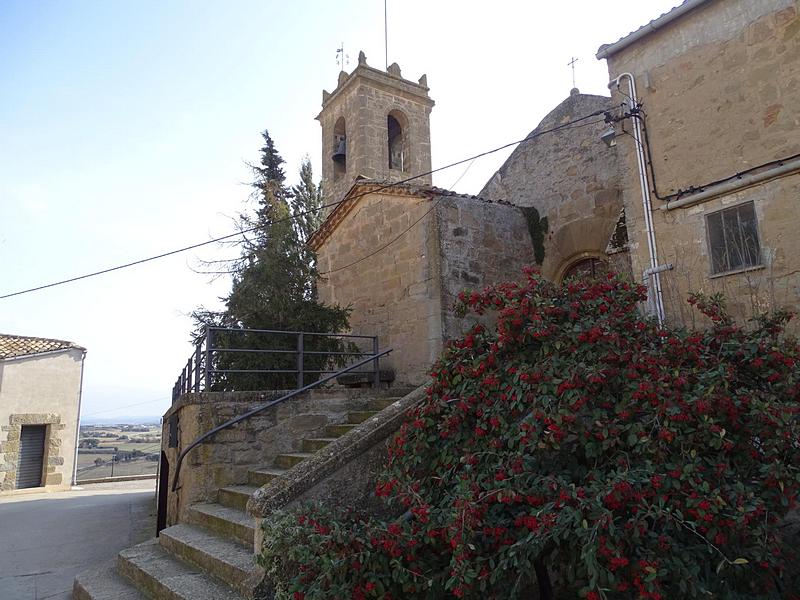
<point x="124" y="128"/>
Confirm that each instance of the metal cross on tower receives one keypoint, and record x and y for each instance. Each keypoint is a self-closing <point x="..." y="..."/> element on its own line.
<point x="572" y="64"/>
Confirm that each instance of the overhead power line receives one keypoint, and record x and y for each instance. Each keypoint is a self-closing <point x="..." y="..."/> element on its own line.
<point x="116" y="408"/>
<point x="535" y="134"/>
<point x="427" y="212"/>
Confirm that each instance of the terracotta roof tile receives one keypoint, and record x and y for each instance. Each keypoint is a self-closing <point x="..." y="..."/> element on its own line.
<point x="12" y="346"/>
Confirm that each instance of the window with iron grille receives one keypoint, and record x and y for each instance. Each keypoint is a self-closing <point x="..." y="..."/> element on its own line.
<point x="733" y="239"/>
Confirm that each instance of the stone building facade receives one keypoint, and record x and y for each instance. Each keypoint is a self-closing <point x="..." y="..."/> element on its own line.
<point x="40" y="391"/>
<point x="719" y="85"/>
<point x="399" y="256"/>
<point x="570" y="183"/>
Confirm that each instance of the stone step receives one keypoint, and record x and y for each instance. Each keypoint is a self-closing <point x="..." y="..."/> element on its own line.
<point x="104" y="583"/>
<point x="236" y="496"/>
<point x="287" y="461"/>
<point x="161" y="575"/>
<point x="229" y="561"/>
<point x="263" y="475"/>
<point x="360" y="416"/>
<point x="339" y="430"/>
<point x="229" y="522"/>
<point x="314" y="444"/>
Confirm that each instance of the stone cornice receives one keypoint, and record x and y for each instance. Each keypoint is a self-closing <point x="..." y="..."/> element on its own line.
<point x="377" y="78"/>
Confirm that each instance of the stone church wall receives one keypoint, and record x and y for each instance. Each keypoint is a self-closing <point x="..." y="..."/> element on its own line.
<point x="395" y="293"/>
<point x="481" y="243"/>
<point x="721" y="89"/>
<point x="572" y="179"/>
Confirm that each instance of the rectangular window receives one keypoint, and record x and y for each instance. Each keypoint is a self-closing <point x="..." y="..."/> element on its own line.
<point x="733" y="239"/>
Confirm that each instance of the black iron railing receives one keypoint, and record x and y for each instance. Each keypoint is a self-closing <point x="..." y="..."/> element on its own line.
<point x="231" y="359"/>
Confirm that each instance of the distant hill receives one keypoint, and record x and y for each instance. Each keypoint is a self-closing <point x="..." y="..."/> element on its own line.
<point x="121" y="420"/>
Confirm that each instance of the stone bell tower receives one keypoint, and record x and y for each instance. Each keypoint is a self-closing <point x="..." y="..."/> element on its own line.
<point x="375" y="124"/>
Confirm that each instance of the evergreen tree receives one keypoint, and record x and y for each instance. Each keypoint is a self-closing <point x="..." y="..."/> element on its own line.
<point x="306" y="202"/>
<point x="274" y="283"/>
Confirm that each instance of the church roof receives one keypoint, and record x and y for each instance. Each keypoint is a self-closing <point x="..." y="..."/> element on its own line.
<point x="607" y="50"/>
<point x="363" y="186"/>
<point x="13" y="346"/>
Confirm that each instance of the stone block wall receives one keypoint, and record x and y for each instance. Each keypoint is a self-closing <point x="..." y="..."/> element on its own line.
<point x="720" y="87"/>
<point x="394" y="293"/>
<point x="41" y="390"/>
<point x="572" y="179"/>
<point x="481" y="243"/>
<point x="402" y="279"/>
<point x="226" y="457"/>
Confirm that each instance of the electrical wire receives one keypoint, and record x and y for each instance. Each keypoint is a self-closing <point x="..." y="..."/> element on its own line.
<point x="382" y="248"/>
<point x="429" y="211"/>
<point x="127" y="406"/>
<point x="534" y="135"/>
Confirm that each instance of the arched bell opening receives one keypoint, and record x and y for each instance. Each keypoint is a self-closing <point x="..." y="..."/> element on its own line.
<point x="339" y="156"/>
<point x="396" y="126"/>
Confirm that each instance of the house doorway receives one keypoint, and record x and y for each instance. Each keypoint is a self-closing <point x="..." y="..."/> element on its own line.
<point x="31" y="456"/>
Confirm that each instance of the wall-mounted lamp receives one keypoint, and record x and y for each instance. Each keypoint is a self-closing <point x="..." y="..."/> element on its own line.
<point x="609" y="137"/>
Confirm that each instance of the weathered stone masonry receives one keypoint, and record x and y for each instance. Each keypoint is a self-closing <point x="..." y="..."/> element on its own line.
<point x="10" y="448"/>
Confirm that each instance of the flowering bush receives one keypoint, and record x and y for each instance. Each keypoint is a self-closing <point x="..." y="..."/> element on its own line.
<point x="578" y="449"/>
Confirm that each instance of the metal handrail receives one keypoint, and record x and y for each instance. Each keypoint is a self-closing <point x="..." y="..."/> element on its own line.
<point x="199" y="372"/>
<point x="257" y="410"/>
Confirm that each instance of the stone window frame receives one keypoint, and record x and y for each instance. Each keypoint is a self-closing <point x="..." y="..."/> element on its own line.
<point x="757" y="250"/>
<point x="399" y="117"/>
<point x="52" y="449"/>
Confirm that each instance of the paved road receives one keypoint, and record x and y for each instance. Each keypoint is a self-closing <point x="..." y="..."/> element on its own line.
<point x="46" y="539"/>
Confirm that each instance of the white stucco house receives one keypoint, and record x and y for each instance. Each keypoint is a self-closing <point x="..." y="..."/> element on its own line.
<point x="40" y="396"/>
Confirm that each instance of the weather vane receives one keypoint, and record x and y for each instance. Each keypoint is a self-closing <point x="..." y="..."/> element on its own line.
<point x="342" y="59"/>
<point x="572" y="64"/>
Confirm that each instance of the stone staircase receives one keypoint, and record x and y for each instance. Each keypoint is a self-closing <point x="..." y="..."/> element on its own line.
<point x="210" y="556"/>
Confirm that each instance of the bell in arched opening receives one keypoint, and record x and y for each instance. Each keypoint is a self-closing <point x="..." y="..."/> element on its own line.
<point x="340" y="152"/>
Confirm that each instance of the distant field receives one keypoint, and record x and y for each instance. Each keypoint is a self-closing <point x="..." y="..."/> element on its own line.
<point x="107" y="438"/>
<point x="126" y="446"/>
<point x="133" y="467"/>
<point x="87" y="460"/>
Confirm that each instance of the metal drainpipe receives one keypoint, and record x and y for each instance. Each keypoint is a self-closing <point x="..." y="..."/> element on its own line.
<point x="647" y="279"/>
<point x="645" y="189"/>
<point x="78" y="426"/>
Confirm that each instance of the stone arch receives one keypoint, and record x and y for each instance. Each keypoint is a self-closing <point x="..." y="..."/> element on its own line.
<point x="397" y="140"/>
<point x="339" y="149"/>
<point x="573" y="241"/>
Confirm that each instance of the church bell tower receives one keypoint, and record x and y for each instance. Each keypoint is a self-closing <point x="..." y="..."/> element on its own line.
<point x="375" y="124"/>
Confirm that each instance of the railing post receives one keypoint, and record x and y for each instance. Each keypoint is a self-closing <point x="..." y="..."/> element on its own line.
<point x="300" y="361"/>
<point x="189" y="374"/>
<point x="376" y="362"/>
<point x="209" y="343"/>
<point x="197" y="359"/>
